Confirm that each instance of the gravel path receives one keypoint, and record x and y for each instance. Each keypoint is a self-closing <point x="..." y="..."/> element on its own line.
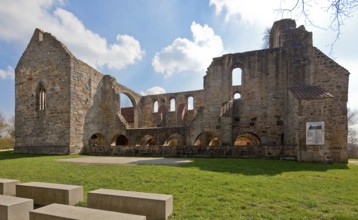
<point x="128" y="160"/>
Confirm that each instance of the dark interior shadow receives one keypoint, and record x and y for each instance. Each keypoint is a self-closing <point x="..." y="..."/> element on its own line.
<point x="253" y="167"/>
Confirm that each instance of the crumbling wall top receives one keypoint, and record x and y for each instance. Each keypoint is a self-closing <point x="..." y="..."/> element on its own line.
<point x="285" y="34"/>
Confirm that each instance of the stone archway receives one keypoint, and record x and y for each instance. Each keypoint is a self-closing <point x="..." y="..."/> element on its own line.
<point x="247" y="139"/>
<point x="174" y="140"/>
<point x="147" y="140"/>
<point x="97" y="139"/>
<point x="119" y="140"/>
<point x="206" y="139"/>
<point x="128" y="110"/>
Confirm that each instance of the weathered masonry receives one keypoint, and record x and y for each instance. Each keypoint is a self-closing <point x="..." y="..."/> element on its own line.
<point x="291" y="102"/>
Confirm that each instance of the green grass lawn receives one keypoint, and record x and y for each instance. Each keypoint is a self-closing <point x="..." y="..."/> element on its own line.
<point x="212" y="188"/>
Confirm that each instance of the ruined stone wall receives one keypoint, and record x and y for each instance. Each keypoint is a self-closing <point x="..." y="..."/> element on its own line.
<point x="85" y="83"/>
<point x="278" y="95"/>
<point x="95" y="105"/>
<point x="334" y="147"/>
<point x="261" y="109"/>
<point x="102" y="116"/>
<point x="265" y="152"/>
<point x="164" y="117"/>
<point x="45" y="63"/>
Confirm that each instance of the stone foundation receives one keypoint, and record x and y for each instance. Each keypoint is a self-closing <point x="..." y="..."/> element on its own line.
<point x="269" y="152"/>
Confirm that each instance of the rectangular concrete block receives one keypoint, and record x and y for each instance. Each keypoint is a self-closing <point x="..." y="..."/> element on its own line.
<point x="153" y="206"/>
<point x="66" y="212"/>
<point x="8" y="187"/>
<point x="14" y="208"/>
<point x="48" y="193"/>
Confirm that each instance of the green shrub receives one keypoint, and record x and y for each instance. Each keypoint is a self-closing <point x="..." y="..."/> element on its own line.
<point x="7" y="143"/>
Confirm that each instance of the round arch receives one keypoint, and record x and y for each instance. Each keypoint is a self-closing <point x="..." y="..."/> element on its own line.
<point x="215" y="142"/>
<point x="119" y="140"/>
<point x="97" y="139"/>
<point x="175" y="140"/>
<point x="128" y="109"/>
<point x="247" y="139"/>
<point x="147" y="140"/>
<point x="207" y="139"/>
<point x="237" y="95"/>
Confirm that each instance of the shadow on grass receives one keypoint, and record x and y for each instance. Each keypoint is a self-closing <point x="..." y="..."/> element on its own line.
<point x="259" y="166"/>
<point x="9" y="155"/>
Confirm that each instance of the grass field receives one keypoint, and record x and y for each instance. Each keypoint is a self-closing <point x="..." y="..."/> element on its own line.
<point x="212" y="188"/>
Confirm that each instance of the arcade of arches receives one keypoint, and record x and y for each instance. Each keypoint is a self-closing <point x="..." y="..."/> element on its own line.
<point x="204" y="139"/>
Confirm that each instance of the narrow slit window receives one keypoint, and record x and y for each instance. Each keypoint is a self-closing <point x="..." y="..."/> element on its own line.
<point x="42" y="99"/>
<point x="190" y="103"/>
<point x="155" y="107"/>
<point x="172" y="105"/>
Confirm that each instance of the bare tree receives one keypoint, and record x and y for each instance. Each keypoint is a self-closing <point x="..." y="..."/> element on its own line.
<point x="11" y="127"/>
<point x="352" y="122"/>
<point x="3" y="124"/>
<point x="339" y="11"/>
<point x="266" y="38"/>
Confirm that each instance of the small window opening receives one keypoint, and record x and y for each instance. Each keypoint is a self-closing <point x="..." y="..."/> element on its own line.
<point x="172" y="105"/>
<point x="236" y="77"/>
<point x="190" y="103"/>
<point x="155" y="107"/>
<point x="237" y="95"/>
<point x="42" y="99"/>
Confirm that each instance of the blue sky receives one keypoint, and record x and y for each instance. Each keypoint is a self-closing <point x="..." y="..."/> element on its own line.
<point x="154" y="46"/>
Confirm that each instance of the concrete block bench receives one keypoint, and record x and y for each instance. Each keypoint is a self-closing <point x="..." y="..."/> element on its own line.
<point x="66" y="212"/>
<point x="48" y="193"/>
<point x="14" y="208"/>
<point x="8" y="187"/>
<point x="153" y="206"/>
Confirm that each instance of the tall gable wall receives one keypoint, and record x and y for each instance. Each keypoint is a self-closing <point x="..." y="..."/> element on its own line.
<point x="45" y="63"/>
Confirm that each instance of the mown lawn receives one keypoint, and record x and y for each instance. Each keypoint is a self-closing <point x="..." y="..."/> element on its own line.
<point x="212" y="188"/>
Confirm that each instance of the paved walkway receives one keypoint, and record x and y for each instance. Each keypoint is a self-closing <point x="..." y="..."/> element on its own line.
<point x="128" y="160"/>
<point x="355" y="162"/>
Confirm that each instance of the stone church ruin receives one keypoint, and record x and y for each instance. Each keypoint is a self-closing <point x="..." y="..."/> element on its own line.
<point x="291" y="103"/>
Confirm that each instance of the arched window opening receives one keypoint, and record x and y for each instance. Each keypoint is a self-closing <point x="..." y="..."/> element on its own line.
<point x="41" y="96"/>
<point x="119" y="140"/>
<point x="126" y="110"/>
<point x="215" y="142"/>
<point x="147" y="140"/>
<point x="190" y="103"/>
<point x="125" y="101"/>
<point x="207" y="139"/>
<point x="155" y="107"/>
<point x="237" y="95"/>
<point x="247" y="139"/>
<point x="97" y="140"/>
<point x="172" y="105"/>
<point x="236" y="77"/>
<point x="174" y="140"/>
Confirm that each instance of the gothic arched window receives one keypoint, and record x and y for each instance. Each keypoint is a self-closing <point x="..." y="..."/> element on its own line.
<point x="41" y="98"/>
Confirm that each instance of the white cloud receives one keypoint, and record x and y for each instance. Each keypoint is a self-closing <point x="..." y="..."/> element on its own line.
<point x="18" y="19"/>
<point x="247" y="11"/>
<point x="185" y="55"/>
<point x="154" y="91"/>
<point x="9" y="73"/>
